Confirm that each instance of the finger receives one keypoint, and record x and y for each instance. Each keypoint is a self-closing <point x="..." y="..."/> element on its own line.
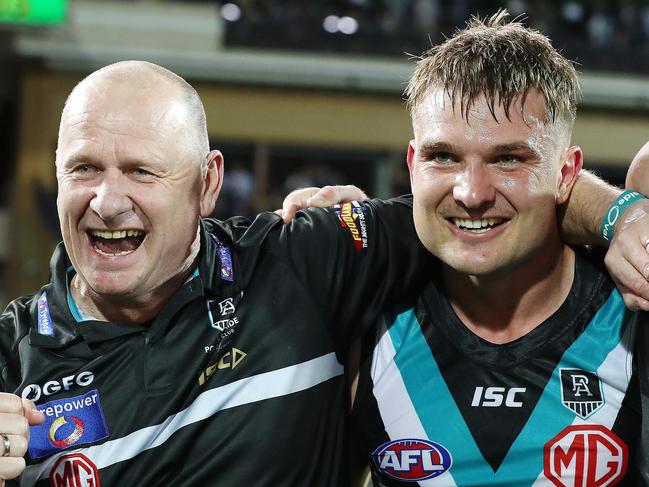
<point x="632" y="301"/>
<point x="14" y="424"/>
<point x="289" y="212"/>
<point x="33" y="415"/>
<point x="17" y="445"/>
<point x="635" y="303"/>
<point x="628" y="276"/>
<point x="10" y="403"/>
<point x="11" y="467"/>
<point x="299" y="197"/>
<point x="331" y="195"/>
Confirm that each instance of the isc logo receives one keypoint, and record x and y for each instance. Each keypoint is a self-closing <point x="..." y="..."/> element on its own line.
<point x="585" y="455"/>
<point x="494" y="396"/>
<point x="74" y="470"/>
<point x="412" y="460"/>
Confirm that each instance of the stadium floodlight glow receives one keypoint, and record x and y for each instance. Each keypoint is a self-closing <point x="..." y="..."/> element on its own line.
<point x="230" y="12"/>
<point x="348" y="25"/>
<point x="573" y="11"/>
<point x="33" y="11"/>
<point x="330" y="23"/>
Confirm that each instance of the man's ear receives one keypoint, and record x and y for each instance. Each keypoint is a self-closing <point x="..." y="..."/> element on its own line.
<point x="212" y="181"/>
<point x="572" y="164"/>
<point x="410" y="157"/>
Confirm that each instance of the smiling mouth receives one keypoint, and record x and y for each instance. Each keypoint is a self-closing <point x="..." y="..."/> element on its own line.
<point x="480" y="225"/>
<point x="116" y="243"/>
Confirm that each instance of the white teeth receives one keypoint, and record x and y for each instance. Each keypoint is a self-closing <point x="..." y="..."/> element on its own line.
<point x="476" y="224"/>
<point x="117" y="234"/>
<point x="113" y="255"/>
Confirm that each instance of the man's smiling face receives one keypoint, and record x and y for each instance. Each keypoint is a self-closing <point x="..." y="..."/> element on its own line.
<point x="485" y="189"/>
<point x="129" y="179"/>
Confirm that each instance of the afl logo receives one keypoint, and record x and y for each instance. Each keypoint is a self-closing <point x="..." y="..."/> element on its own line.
<point x="412" y="460"/>
<point x="72" y="436"/>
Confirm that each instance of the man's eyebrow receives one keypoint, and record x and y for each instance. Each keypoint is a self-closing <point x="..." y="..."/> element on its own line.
<point x="514" y="147"/>
<point x="438" y="146"/>
<point x="78" y="158"/>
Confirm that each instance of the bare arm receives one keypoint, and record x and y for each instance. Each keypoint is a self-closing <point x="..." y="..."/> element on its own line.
<point x="581" y="215"/>
<point x="628" y="257"/>
<point x="318" y="197"/>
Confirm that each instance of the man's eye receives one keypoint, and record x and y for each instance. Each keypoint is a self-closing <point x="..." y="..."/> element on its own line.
<point x="142" y="173"/>
<point x="442" y="157"/>
<point x="508" y="159"/>
<point x="83" y="169"/>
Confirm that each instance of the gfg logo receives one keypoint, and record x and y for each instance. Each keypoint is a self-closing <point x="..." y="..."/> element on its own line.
<point x="412" y="460"/>
<point x="34" y="391"/>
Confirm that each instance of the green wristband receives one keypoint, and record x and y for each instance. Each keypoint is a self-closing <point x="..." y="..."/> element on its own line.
<point x="607" y="227"/>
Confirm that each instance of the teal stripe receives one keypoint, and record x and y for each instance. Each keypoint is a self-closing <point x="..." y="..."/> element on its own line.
<point x="444" y="423"/>
<point x="432" y="399"/>
<point x="588" y="352"/>
<point x="76" y="314"/>
<point x="71" y="304"/>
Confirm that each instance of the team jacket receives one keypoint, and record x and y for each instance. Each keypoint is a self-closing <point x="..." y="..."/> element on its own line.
<point x="237" y="382"/>
<point x="439" y="406"/>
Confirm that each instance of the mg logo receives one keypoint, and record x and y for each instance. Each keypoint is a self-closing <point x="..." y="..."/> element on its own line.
<point x="74" y="470"/>
<point x="585" y="456"/>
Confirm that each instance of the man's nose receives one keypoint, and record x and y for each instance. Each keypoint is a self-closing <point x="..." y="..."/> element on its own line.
<point x="112" y="197"/>
<point x="474" y="187"/>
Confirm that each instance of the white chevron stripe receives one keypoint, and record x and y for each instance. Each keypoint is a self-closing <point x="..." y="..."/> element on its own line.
<point x="614" y="386"/>
<point x="259" y="387"/>
<point x="397" y="411"/>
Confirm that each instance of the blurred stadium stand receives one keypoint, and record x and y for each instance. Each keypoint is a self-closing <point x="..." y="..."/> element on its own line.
<point x="296" y="92"/>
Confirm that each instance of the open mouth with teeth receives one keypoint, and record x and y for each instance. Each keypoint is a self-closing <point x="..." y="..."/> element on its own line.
<point x="480" y="225"/>
<point x="120" y="242"/>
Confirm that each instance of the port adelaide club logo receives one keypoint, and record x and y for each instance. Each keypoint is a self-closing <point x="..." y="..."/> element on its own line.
<point x="412" y="460"/>
<point x="581" y="392"/>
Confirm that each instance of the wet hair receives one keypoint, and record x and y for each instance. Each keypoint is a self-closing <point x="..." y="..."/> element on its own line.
<point x="501" y="60"/>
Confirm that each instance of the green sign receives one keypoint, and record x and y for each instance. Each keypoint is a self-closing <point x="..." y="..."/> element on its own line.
<point x="33" y="11"/>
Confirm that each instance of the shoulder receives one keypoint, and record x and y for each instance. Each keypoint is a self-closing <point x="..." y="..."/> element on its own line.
<point x="17" y="311"/>
<point x="239" y="231"/>
<point x="15" y="322"/>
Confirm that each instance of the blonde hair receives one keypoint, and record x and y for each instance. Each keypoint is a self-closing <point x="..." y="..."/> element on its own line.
<point x="501" y="60"/>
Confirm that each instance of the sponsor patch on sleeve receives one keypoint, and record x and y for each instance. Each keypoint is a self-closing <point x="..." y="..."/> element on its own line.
<point x="68" y="422"/>
<point x="45" y="326"/>
<point x="352" y="217"/>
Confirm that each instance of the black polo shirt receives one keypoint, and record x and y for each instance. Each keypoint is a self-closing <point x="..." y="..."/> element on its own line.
<point x="238" y="381"/>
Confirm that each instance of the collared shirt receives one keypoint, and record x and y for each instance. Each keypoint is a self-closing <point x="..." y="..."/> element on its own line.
<point x="238" y="380"/>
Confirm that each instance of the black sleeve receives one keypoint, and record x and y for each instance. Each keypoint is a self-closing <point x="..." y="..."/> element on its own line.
<point x="14" y="325"/>
<point x="642" y="354"/>
<point x="356" y="259"/>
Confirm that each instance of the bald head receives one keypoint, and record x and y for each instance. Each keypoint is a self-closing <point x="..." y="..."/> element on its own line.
<point x="116" y="89"/>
